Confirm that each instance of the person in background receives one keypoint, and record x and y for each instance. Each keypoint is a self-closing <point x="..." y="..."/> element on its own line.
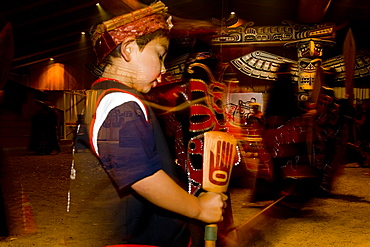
<point x="362" y="120"/>
<point x="133" y="193"/>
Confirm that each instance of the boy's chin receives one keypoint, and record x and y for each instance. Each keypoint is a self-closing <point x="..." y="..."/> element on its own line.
<point x="145" y="90"/>
<point x="155" y="83"/>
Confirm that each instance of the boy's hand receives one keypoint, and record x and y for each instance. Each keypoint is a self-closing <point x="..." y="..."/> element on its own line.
<point x="212" y="206"/>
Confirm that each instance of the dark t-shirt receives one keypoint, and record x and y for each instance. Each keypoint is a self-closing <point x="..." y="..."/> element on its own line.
<point x="126" y="143"/>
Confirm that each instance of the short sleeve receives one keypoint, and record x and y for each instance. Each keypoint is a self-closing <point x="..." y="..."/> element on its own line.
<point x="126" y="144"/>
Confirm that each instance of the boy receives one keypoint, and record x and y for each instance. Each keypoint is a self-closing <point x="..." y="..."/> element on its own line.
<point x="151" y="206"/>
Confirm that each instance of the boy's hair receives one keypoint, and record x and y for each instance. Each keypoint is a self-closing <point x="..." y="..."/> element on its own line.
<point x="141" y="41"/>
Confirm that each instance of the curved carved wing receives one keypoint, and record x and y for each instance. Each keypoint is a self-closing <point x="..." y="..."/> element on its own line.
<point x="362" y="65"/>
<point x="262" y="65"/>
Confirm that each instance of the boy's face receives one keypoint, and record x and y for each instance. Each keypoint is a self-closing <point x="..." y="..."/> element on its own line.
<point x="148" y="64"/>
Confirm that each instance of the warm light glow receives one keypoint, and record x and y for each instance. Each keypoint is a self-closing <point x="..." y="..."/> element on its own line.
<point x="51" y="59"/>
<point x="52" y="77"/>
<point x="102" y="12"/>
<point x="97" y="4"/>
<point x="55" y="77"/>
<point x="83" y="39"/>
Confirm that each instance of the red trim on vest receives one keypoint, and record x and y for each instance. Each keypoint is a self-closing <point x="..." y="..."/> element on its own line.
<point x="101" y="96"/>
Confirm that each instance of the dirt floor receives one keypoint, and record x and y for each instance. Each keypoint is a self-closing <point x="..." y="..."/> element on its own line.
<point x="340" y="220"/>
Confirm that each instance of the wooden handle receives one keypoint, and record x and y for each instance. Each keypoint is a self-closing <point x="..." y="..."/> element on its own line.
<point x="210" y="235"/>
<point x="218" y="160"/>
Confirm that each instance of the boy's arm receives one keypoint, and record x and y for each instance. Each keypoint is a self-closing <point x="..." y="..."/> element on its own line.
<point x="162" y="191"/>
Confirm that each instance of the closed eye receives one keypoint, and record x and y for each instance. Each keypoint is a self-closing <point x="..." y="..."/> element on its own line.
<point x="162" y="56"/>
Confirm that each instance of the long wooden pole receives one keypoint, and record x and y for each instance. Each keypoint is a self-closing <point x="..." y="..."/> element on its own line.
<point x="349" y="54"/>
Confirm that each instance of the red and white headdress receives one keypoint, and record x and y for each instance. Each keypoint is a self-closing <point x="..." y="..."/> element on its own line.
<point x="109" y="34"/>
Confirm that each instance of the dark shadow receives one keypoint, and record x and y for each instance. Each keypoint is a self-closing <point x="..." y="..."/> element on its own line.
<point x="349" y="198"/>
<point x="3" y="226"/>
<point x="3" y="221"/>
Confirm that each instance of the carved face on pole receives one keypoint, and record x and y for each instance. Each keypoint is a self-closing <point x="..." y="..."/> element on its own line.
<point x="309" y="53"/>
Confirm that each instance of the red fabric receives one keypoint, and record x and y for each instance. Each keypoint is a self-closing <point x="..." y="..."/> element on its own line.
<point x="145" y="25"/>
<point x="109" y="40"/>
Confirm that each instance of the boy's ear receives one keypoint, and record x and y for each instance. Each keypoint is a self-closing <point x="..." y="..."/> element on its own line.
<point x="127" y="48"/>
